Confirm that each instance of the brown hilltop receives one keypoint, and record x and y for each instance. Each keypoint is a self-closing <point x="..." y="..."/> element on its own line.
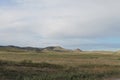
<point x="78" y="50"/>
<point x="55" y="48"/>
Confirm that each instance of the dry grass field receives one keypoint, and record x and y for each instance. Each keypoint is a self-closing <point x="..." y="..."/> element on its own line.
<point x="59" y="65"/>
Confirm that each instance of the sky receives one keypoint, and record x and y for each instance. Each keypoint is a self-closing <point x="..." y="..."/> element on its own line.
<point x="84" y="24"/>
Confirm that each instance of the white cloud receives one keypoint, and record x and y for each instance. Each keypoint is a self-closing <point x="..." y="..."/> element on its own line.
<point x="60" y="19"/>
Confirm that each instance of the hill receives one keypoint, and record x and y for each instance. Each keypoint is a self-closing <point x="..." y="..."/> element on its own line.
<point x="11" y="48"/>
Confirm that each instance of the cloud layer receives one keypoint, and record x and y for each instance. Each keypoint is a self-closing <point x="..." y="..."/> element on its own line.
<point x="57" y="21"/>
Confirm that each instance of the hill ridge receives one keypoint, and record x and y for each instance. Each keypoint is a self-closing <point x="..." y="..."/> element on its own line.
<point x="36" y="49"/>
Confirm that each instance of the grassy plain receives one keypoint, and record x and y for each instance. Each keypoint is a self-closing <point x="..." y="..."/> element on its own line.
<point x="59" y="65"/>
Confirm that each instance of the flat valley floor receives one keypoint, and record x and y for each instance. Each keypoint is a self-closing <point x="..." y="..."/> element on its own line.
<point x="96" y="65"/>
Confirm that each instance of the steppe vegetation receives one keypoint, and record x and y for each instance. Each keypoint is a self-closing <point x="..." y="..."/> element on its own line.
<point x="53" y="65"/>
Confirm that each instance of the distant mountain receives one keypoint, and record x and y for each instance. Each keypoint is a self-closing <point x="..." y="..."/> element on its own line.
<point x="12" y="48"/>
